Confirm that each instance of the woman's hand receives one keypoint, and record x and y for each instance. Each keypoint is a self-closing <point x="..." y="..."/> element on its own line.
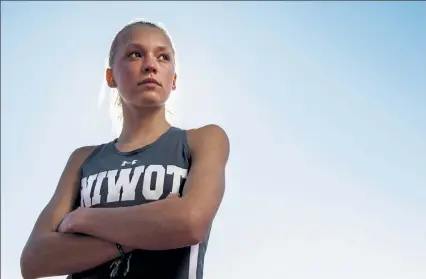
<point x="69" y="223"/>
<point x="173" y="196"/>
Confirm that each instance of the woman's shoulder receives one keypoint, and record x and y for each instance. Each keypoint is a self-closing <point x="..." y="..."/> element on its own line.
<point x="208" y="130"/>
<point x="208" y="135"/>
<point x="84" y="153"/>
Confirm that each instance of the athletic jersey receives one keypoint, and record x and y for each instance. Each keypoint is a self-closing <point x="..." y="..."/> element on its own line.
<point x="110" y="178"/>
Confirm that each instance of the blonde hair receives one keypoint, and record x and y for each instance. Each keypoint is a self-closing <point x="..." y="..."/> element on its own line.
<point x="115" y="108"/>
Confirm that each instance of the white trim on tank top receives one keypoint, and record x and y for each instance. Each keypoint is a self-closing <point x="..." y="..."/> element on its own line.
<point x="193" y="262"/>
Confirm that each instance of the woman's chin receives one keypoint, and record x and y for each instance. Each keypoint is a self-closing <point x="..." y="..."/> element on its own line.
<point x="147" y="98"/>
<point x="151" y="98"/>
<point x="151" y="102"/>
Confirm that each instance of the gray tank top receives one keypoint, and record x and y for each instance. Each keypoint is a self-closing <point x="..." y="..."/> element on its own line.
<point x="110" y="178"/>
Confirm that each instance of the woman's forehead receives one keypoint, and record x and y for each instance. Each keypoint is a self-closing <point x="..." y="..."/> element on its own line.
<point x="144" y="35"/>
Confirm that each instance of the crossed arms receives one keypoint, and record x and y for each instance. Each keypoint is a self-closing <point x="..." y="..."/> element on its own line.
<point x="165" y="224"/>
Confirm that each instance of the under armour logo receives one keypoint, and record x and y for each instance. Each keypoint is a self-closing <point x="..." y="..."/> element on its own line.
<point x="130" y="163"/>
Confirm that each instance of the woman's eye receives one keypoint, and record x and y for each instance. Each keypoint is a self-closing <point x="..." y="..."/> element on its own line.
<point x="134" y="54"/>
<point x="165" y="57"/>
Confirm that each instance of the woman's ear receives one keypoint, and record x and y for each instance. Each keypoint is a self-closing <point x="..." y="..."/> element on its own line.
<point x="174" y="82"/>
<point x="110" y="79"/>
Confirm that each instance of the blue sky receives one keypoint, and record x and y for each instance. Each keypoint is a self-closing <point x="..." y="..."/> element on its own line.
<point x="324" y="104"/>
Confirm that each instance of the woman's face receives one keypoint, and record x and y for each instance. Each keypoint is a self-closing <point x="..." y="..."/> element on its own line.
<point x="143" y="67"/>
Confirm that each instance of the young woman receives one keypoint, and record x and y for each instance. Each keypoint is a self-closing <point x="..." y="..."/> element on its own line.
<point x="140" y="206"/>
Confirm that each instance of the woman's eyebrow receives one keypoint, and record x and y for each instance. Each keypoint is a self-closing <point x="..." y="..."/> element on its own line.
<point x="163" y="48"/>
<point x="158" y="48"/>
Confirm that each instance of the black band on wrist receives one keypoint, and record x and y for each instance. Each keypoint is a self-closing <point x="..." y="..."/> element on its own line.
<point x="120" y="250"/>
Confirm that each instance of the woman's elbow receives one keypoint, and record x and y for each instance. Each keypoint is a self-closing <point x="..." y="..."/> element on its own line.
<point x="27" y="266"/>
<point x="30" y="261"/>
<point x="27" y="273"/>
<point x="198" y="229"/>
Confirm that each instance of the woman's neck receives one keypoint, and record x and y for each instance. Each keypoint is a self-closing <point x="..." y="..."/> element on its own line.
<point x="141" y="127"/>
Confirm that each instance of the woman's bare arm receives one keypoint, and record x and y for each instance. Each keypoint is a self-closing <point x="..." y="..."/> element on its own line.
<point x="49" y="253"/>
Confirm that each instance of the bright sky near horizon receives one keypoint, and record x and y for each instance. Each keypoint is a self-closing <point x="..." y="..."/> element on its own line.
<point x="324" y="104"/>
